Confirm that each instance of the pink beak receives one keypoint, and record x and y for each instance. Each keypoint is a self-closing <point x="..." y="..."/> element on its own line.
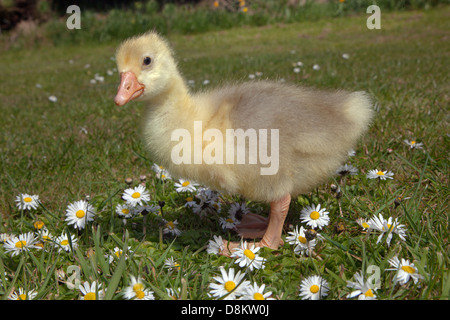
<point x="129" y="88"/>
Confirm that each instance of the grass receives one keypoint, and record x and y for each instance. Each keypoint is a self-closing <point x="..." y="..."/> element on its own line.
<point x="84" y="145"/>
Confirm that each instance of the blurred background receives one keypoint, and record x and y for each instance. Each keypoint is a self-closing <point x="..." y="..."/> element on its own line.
<point x="31" y="22"/>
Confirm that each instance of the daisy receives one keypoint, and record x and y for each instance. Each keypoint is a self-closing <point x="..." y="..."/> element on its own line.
<point x="52" y="98"/>
<point x="161" y="172"/>
<point x="378" y="174"/>
<point x="228" y="223"/>
<point x="91" y="292"/>
<point x="23" y="295"/>
<point x="316" y="67"/>
<point x="255" y="292"/>
<point x="171" y="264"/>
<point x="248" y="257"/>
<point x="298" y="239"/>
<point x="125" y="211"/>
<point x="24" y="241"/>
<point x="215" y="246"/>
<point x="413" y="144"/>
<point x="174" y="294"/>
<point x="78" y="213"/>
<point x="64" y="244"/>
<point x="136" y="290"/>
<point x="405" y="270"/>
<point x="208" y="202"/>
<point x="25" y="201"/>
<point x="363" y="223"/>
<point x="229" y="285"/>
<point x="389" y="226"/>
<point x="136" y="196"/>
<point x="238" y="210"/>
<point x="347" y="169"/>
<point x="171" y="227"/>
<point x="345" y="56"/>
<point x="314" y="216"/>
<point x="364" y="290"/>
<point x="313" y="288"/>
<point x="116" y="254"/>
<point x="185" y="186"/>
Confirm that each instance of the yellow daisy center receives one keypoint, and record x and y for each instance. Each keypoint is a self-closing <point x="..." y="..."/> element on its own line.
<point x="64" y="242"/>
<point x="125" y="211"/>
<point x="413" y="142"/>
<point x="314" y="288"/>
<point x="136" y="195"/>
<point x="90" y="296"/>
<point x="171" y="225"/>
<point x="189" y="199"/>
<point x="249" y="254"/>
<point x="408" y="269"/>
<point x="140" y="294"/>
<point x="38" y="224"/>
<point x="161" y="167"/>
<point x="46" y="238"/>
<point x="302" y="239"/>
<point x="388" y="227"/>
<point x="185" y="184"/>
<point x="230" y="285"/>
<point x="258" y="296"/>
<point x="22" y="296"/>
<point x="230" y="220"/>
<point x="80" y="214"/>
<point x="380" y="173"/>
<point x="118" y="253"/>
<point x="27" y="199"/>
<point x="365" y="225"/>
<point x="163" y="176"/>
<point x="20" y="244"/>
<point x="314" y="215"/>
<point x="138" y="287"/>
<point x="369" y="293"/>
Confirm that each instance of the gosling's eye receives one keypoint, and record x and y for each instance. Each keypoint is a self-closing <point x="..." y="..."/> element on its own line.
<point x="147" y="61"/>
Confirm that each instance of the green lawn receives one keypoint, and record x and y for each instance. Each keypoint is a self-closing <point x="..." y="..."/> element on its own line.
<point x="83" y="144"/>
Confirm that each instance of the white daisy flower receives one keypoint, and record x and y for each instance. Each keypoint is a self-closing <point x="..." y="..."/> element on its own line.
<point x="174" y="294"/>
<point x="347" y="169"/>
<point x="345" y="56"/>
<point x="45" y="235"/>
<point x="24" y="241"/>
<point x="116" y="254"/>
<point x="25" y="201"/>
<point x="63" y="242"/>
<point x="171" y="264"/>
<point x="136" y="290"/>
<point x="161" y="172"/>
<point x="379" y="174"/>
<point x="297" y="238"/>
<point x="78" y="213"/>
<point x="296" y="70"/>
<point x="215" y="246"/>
<point x="314" y="216"/>
<point x="185" y="186"/>
<point x="405" y="270"/>
<point x="136" y="196"/>
<point x="228" y="223"/>
<point x="238" y="210"/>
<point x="52" y="98"/>
<point x="125" y="211"/>
<point x="22" y="295"/>
<point x="229" y="286"/>
<point x="248" y="257"/>
<point x="171" y="228"/>
<point x="364" y="289"/>
<point x="389" y="226"/>
<point x="363" y="223"/>
<point x="91" y="291"/>
<point x="255" y="292"/>
<point x="413" y="144"/>
<point x="313" y="288"/>
<point x="316" y="67"/>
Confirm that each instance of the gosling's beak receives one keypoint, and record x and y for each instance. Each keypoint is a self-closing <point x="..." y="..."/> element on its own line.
<point x="129" y="88"/>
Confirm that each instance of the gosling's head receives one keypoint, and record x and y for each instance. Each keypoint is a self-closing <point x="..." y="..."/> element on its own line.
<point x="146" y="66"/>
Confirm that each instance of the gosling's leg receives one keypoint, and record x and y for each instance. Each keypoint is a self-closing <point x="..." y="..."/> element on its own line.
<point x="272" y="234"/>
